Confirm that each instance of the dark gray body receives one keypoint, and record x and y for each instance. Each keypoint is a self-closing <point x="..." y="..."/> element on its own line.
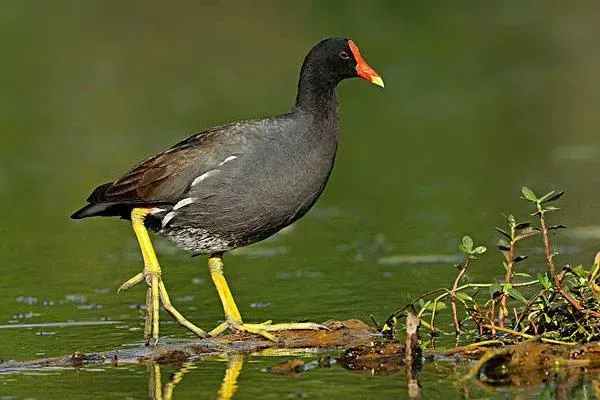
<point x="280" y="168"/>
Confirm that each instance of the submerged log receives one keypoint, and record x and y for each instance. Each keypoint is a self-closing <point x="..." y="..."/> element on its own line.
<point x="365" y="349"/>
<point x="341" y="334"/>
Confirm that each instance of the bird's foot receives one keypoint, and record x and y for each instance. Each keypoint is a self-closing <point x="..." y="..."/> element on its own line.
<point x="264" y="329"/>
<point x="156" y="294"/>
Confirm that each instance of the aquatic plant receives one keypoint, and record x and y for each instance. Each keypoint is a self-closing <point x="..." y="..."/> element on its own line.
<point x="554" y="306"/>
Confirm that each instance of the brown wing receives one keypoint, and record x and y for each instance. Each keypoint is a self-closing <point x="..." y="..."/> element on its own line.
<point x="166" y="177"/>
<point x="163" y="178"/>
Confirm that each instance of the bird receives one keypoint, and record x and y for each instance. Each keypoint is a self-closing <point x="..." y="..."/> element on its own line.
<point x="234" y="185"/>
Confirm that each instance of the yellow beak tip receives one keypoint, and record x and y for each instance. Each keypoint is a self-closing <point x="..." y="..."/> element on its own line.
<point x="377" y="81"/>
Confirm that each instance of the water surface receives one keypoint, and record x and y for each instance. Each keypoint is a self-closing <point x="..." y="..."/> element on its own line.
<point x="479" y="99"/>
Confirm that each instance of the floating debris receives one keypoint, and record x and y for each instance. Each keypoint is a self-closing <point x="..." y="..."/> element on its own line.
<point x="27" y="300"/>
<point x="45" y="333"/>
<point x="89" y="307"/>
<point x="533" y="363"/>
<point x="260" y="304"/>
<point x="59" y="324"/>
<point x="397" y="259"/>
<point x="293" y="366"/>
<point x="198" y="281"/>
<point x="184" y="299"/>
<point x="76" y="298"/>
<point x="299" y="274"/>
<point x="26" y="315"/>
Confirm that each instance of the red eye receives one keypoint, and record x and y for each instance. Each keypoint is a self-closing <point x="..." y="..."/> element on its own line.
<point x="344" y="55"/>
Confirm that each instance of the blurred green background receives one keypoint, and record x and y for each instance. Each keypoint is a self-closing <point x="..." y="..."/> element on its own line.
<point x="480" y="99"/>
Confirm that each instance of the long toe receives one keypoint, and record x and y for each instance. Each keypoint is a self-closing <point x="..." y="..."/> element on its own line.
<point x="264" y="329"/>
<point x="295" y="326"/>
<point x="168" y="306"/>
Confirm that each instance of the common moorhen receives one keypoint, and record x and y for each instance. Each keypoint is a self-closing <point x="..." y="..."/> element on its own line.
<point x="234" y="185"/>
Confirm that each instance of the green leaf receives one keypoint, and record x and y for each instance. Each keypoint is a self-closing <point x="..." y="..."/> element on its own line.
<point x="551" y="196"/>
<point x="546" y="196"/>
<point x="554" y="227"/>
<point x="479" y="250"/>
<point x="495" y="288"/>
<point x="467" y="244"/>
<point x="503" y="245"/>
<point x="504" y="233"/>
<point x="516" y="259"/>
<point x="463" y="296"/>
<point x="515" y="294"/>
<point x="528" y="194"/>
<point x="551" y="208"/>
<point x="523" y="233"/>
<point x="581" y="271"/>
<point x="544" y="281"/>
<point x="522" y="225"/>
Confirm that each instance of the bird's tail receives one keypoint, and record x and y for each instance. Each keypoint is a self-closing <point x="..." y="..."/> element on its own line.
<point x="92" y="210"/>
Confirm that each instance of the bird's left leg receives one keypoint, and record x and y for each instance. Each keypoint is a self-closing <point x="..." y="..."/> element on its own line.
<point x="233" y="319"/>
<point x="156" y="288"/>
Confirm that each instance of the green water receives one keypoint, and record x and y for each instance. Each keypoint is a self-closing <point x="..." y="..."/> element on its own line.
<point x="479" y="99"/>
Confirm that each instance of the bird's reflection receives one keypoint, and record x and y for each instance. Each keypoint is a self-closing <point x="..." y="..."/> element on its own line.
<point x="156" y="390"/>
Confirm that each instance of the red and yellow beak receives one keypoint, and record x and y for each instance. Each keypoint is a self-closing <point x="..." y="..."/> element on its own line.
<point x="362" y="68"/>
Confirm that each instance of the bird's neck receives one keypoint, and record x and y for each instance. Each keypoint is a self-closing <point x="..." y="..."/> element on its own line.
<point x="316" y="93"/>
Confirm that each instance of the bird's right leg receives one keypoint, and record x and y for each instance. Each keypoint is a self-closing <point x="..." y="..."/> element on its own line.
<point x="156" y="291"/>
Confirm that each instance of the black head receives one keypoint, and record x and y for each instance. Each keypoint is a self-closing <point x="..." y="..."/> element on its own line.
<point x="334" y="59"/>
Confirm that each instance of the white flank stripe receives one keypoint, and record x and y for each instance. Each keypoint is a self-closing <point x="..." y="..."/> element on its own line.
<point x="168" y="218"/>
<point x="226" y="160"/>
<point x="205" y="175"/>
<point x="157" y="210"/>
<point x="184" y="202"/>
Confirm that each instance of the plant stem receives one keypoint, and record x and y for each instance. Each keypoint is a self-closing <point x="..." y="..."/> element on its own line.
<point x="528" y="336"/>
<point x="460" y="275"/>
<point x="508" y="276"/>
<point x="556" y="279"/>
<point x="467" y="347"/>
<point x="463" y="287"/>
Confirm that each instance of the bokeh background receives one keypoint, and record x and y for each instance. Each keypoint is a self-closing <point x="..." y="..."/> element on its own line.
<point x="480" y="99"/>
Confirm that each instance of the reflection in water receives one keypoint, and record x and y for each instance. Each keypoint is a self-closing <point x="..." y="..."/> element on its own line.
<point x="156" y="391"/>
<point x="175" y="379"/>
<point x="229" y="385"/>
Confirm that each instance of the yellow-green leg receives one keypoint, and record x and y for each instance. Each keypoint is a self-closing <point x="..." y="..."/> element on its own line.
<point x="156" y="292"/>
<point x="233" y="319"/>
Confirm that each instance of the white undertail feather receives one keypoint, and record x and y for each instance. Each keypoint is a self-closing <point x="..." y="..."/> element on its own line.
<point x="167" y="218"/>
<point x="184" y="202"/>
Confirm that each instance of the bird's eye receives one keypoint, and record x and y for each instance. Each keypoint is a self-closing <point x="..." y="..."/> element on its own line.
<point x="344" y="55"/>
